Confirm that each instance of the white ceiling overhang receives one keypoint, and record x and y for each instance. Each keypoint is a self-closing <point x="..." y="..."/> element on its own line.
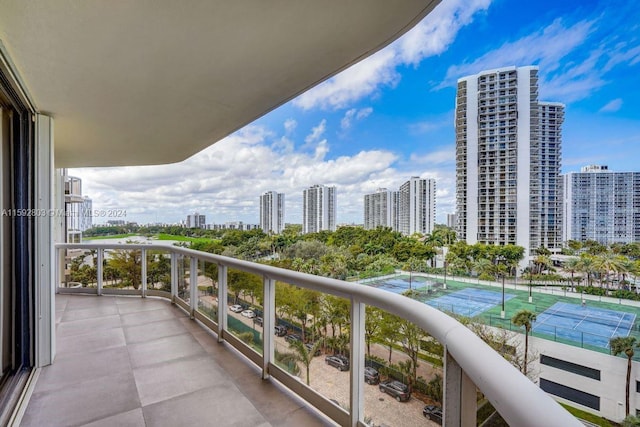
<point x="155" y="81"/>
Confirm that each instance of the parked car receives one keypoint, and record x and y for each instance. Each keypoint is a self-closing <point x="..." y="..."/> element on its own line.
<point x="396" y="389"/>
<point x="310" y="347"/>
<point x="338" y="361"/>
<point x="371" y="376"/>
<point x="236" y="308"/>
<point x="433" y="413"/>
<point x="292" y="338"/>
<point x="280" y="330"/>
<point x="248" y="313"/>
<point x="258" y="320"/>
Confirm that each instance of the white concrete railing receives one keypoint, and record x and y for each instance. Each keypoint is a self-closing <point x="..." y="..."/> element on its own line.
<point x="469" y="362"/>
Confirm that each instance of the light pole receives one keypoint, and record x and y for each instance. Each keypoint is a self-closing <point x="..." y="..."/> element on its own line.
<point x="499" y="259"/>
<point x="502" y="312"/>
<point x="530" y="282"/>
<point x="445" y="275"/>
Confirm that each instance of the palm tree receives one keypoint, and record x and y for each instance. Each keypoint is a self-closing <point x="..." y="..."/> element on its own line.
<point x="587" y="266"/>
<point x="572" y="265"/>
<point x="304" y="354"/>
<point x="624" y="345"/>
<point x="607" y="263"/>
<point x="524" y="318"/>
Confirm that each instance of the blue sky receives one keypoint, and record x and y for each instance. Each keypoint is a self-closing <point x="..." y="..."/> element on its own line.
<point x="390" y="116"/>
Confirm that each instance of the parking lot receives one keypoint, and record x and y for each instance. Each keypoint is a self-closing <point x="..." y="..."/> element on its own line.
<point x="381" y="409"/>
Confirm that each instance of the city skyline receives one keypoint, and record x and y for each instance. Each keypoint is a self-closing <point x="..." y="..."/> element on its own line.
<point x="391" y="116"/>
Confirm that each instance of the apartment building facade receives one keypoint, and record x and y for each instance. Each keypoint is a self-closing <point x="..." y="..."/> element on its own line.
<point x="196" y="221"/>
<point x="601" y="205"/>
<point x="272" y="212"/>
<point x="417" y="206"/>
<point x="318" y="209"/>
<point x="508" y="158"/>
<point x="381" y="209"/>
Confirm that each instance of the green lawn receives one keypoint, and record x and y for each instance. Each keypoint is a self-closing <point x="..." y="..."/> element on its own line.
<point x="163" y="236"/>
<point x="113" y="236"/>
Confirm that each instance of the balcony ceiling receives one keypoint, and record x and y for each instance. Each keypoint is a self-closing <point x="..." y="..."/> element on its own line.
<point x="156" y="81"/>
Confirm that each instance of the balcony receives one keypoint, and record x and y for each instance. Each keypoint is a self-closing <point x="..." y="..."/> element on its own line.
<point x="131" y="361"/>
<point x="176" y="372"/>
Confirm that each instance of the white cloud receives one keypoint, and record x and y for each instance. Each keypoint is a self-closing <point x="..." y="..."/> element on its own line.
<point x="316" y="132"/>
<point x="446" y="155"/>
<point x="354" y="113"/>
<point x="224" y="181"/>
<point x="570" y="67"/>
<point x="430" y="37"/>
<point x="612" y="106"/>
<point x="290" y="125"/>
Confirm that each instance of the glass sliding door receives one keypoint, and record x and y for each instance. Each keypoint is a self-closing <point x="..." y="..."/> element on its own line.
<point x="17" y="171"/>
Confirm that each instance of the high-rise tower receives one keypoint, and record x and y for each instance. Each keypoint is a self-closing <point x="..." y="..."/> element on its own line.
<point x="272" y="212"/>
<point x="417" y="206"/>
<point x="381" y="209"/>
<point x="318" y="209"/>
<point x="508" y="153"/>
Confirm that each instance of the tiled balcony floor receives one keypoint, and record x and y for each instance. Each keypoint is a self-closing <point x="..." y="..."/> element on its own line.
<point x="124" y="361"/>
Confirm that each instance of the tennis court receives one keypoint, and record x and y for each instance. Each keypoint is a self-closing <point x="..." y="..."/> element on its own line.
<point x="584" y="324"/>
<point x="401" y="283"/>
<point x="468" y="302"/>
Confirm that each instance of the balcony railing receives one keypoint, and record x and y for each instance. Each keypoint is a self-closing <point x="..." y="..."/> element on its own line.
<point x="469" y="364"/>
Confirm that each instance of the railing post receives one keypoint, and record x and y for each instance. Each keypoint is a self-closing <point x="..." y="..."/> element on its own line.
<point x="268" y="324"/>
<point x="193" y="286"/>
<point x="99" y="269"/>
<point x="222" y="302"/>
<point x="357" y="361"/>
<point x="460" y="399"/>
<point x="174" y="277"/>
<point x="143" y="263"/>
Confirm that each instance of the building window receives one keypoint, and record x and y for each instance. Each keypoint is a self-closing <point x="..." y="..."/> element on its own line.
<point x="571" y="394"/>
<point x="570" y="367"/>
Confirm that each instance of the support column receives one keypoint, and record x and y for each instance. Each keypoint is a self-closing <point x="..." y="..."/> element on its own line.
<point x="357" y="361"/>
<point x="460" y="401"/>
<point x="268" y="324"/>
<point x="222" y="302"/>
<point x="193" y="286"/>
<point x="99" y="272"/>
<point x="44" y="257"/>
<point x="174" y="277"/>
<point x="143" y="264"/>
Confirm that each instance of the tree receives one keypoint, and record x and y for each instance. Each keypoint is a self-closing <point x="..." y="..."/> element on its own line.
<point x="389" y="328"/>
<point x="304" y="354"/>
<point x="410" y="337"/>
<point x="624" y="345"/>
<point x="524" y="318"/>
<point x="572" y="265"/>
<point x="128" y="263"/>
<point x="372" y="325"/>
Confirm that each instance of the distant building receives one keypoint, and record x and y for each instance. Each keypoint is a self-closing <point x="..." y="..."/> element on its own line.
<point x="233" y="225"/>
<point x="452" y="220"/>
<point x="73" y="202"/>
<point x="601" y="205"/>
<point x="196" y="221"/>
<point x="508" y="152"/>
<point x="318" y="209"/>
<point x="417" y="206"/>
<point x="272" y="212"/>
<point x="86" y="214"/>
<point x="381" y="209"/>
